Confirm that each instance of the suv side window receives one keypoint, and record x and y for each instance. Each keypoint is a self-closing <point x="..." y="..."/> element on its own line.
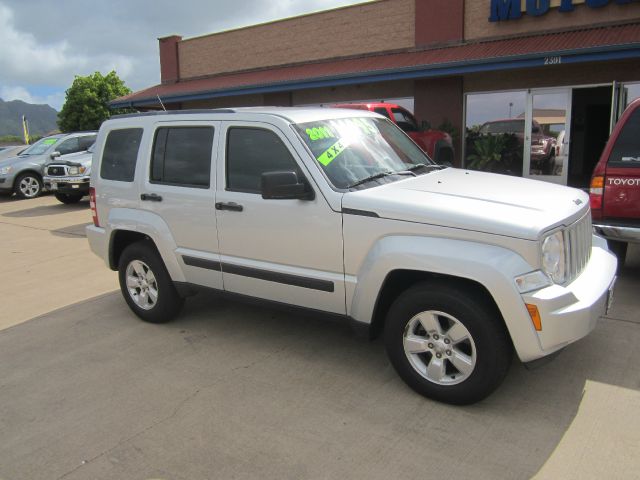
<point x="120" y="154"/>
<point x="70" y="145"/>
<point x="405" y="120"/>
<point x="382" y="111"/>
<point x="252" y="152"/>
<point x="627" y="146"/>
<point x="182" y="156"/>
<point x="85" y="142"/>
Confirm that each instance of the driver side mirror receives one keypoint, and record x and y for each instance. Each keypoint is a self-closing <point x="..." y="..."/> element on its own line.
<point x="285" y="185"/>
<point x="54" y="155"/>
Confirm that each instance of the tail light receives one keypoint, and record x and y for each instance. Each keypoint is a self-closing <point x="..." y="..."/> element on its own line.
<point x="92" y="204"/>
<point x="596" y="192"/>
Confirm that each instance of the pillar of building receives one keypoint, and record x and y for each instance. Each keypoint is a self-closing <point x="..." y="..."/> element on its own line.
<point x="439" y="22"/>
<point x="169" y="59"/>
<point x="439" y="102"/>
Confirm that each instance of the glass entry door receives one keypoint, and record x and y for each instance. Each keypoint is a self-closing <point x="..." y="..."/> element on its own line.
<point x="546" y="138"/>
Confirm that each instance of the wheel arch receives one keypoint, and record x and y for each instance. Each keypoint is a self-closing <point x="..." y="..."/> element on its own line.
<point x="121" y="239"/>
<point x="400" y="280"/>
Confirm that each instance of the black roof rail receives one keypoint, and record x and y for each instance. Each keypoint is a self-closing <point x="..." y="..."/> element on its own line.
<point x="171" y="112"/>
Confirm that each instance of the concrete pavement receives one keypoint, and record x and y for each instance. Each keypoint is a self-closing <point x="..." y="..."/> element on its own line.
<point x="46" y="261"/>
<point x="233" y="391"/>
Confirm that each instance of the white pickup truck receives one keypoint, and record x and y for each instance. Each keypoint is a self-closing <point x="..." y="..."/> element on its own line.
<point x="339" y="212"/>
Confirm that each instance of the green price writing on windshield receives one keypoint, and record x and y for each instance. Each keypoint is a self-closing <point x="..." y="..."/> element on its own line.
<point x="50" y="141"/>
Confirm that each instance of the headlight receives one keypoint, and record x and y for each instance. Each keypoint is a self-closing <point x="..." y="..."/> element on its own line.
<point x="5" y="170"/>
<point x="76" y="170"/>
<point x="553" y="258"/>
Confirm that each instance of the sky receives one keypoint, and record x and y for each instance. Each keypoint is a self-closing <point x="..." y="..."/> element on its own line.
<point x="45" y="44"/>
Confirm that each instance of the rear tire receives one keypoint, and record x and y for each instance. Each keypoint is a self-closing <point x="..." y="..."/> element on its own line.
<point x="619" y="249"/>
<point x="146" y="285"/>
<point x="447" y="344"/>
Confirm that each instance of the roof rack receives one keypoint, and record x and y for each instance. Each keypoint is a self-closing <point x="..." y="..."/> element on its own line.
<point x="171" y="112"/>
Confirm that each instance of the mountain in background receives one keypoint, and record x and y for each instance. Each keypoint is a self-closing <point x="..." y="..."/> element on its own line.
<point x="42" y="118"/>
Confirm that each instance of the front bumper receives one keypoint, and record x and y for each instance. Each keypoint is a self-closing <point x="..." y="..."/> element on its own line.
<point x="67" y="184"/>
<point x="570" y="312"/>
<point x="619" y="233"/>
<point x="6" y="181"/>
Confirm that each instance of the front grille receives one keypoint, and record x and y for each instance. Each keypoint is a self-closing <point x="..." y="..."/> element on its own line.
<point x="56" y="171"/>
<point x="578" y="246"/>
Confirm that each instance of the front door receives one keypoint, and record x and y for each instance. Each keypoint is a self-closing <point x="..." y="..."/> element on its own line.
<point x="547" y="132"/>
<point x="288" y="251"/>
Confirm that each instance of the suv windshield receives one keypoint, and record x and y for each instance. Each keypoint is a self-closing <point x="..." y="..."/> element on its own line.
<point x="40" y="147"/>
<point x="352" y="150"/>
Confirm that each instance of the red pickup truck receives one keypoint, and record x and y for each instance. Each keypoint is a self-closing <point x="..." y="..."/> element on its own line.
<point x="615" y="185"/>
<point x="435" y="143"/>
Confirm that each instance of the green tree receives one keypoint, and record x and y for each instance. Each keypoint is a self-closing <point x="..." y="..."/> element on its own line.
<point x="86" y="103"/>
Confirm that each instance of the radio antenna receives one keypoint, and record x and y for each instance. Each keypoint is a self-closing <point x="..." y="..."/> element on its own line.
<point x="161" y="104"/>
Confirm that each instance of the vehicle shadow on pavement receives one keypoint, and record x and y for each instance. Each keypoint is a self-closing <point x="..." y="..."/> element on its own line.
<point x="47" y="210"/>
<point x="71" y="230"/>
<point x="91" y="391"/>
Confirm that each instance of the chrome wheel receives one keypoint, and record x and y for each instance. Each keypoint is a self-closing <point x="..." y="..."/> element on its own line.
<point x="439" y="347"/>
<point x="29" y="187"/>
<point x="142" y="285"/>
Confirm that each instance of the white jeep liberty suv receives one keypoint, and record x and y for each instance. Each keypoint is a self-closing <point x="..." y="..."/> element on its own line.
<point x="338" y="211"/>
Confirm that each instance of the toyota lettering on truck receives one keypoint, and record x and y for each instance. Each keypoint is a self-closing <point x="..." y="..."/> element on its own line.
<point x="340" y="212"/>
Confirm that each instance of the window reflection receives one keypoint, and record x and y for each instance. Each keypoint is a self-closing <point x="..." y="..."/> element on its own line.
<point x="548" y="130"/>
<point x="631" y="92"/>
<point x="494" y="132"/>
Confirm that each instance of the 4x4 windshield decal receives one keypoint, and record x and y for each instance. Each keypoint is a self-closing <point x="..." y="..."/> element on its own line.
<point x="332" y="152"/>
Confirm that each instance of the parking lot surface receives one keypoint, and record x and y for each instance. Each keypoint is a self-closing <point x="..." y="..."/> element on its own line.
<point x="233" y="391"/>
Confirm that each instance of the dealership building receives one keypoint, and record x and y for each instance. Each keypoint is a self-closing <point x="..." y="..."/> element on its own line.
<point x="548" y="77"/>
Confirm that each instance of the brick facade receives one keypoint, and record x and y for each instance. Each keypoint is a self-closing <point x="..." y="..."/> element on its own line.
<point x="364" y="28"/>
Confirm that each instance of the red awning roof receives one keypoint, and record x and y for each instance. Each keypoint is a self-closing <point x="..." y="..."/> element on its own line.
<point x="601" y="43"/>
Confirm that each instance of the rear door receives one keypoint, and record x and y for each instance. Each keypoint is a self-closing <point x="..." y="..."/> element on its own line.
<point x="179" y="187"/>
<point x="622" y="180"/>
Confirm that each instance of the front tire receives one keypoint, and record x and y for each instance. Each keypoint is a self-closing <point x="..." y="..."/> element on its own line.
<point x="146" y="285"/>
<point x="447" y="344"/>
<point x="68" y="198"/>
<point x="28" y="185"/>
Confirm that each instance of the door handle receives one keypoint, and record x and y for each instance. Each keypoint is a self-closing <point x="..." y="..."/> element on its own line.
<point x="232" y="206"/>
<point x="151" y="197"/>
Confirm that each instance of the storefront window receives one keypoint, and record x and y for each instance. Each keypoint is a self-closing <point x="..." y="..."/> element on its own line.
<point x="631" y="92"/>
<point x="494" y="132"/>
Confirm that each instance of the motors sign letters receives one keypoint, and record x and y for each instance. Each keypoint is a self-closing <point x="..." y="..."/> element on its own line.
<point x="513" y="9"/>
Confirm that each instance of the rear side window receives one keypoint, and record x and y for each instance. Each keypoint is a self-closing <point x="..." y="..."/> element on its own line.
<point x="252" y="152"/>
<point x="626" y="151"/>
<point x="182" y="156"/>
<point x="382" y="111"/>
<point x="120" y="154"/>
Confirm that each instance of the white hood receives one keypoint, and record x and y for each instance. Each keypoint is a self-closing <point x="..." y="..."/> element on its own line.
<point x="478" y="201"/>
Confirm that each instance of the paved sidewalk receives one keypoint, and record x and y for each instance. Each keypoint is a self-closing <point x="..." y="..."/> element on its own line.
<point x="46" y="261"/>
